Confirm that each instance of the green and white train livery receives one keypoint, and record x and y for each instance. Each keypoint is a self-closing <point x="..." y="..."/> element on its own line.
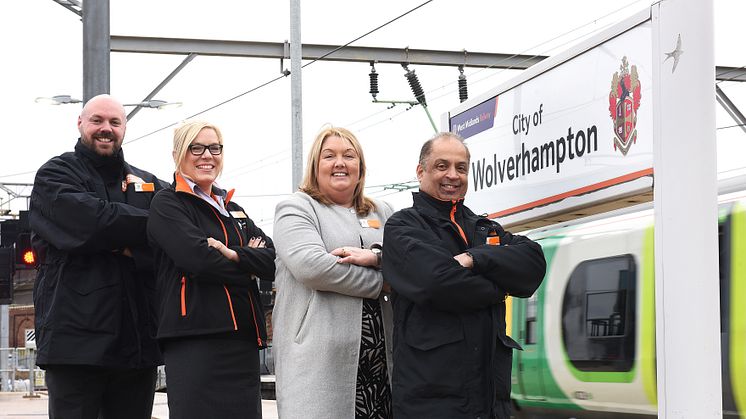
<point x="588" y="332"/>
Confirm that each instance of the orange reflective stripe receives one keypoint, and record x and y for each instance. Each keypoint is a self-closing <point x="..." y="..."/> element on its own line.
<point x="183" y="296"/>
<point x="230" y="306"/>
<point x="453" y="220"/>
<point x="225" y="232"/>
<point x="256" y="325"/>
<point x="240" y="239"/>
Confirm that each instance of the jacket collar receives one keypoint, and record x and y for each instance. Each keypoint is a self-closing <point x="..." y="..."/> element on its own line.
<point x="109" y="167"/>
<point x="181" y="185"/>
<point x="434" y="207"/>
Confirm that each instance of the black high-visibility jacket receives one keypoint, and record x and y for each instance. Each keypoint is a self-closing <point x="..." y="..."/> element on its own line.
<point x="93" y="304"/>
<point x="201" y="291"/>
<point x="452" y="358"/>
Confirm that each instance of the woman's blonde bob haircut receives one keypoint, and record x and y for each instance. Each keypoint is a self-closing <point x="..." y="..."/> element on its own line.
<point x="185" y="134"/>
<point x="310" y="184"/>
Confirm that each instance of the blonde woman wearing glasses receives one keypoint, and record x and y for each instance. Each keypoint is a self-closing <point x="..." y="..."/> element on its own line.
<point x="208" y="254"/>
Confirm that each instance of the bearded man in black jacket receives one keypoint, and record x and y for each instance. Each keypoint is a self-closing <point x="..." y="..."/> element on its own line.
<point x="451" y="272"/>
<point x="94" y="295"/>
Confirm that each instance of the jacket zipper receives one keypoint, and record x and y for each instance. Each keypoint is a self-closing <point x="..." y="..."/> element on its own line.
<point x="453" y="220"/>
<point x="256" y="325"/>
<point x="183" y="296"/>
<point x="227" y="294"/>
<point x="230" y="305"/>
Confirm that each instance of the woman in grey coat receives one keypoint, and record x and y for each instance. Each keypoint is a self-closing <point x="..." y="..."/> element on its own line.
<point x="332" y="311"/>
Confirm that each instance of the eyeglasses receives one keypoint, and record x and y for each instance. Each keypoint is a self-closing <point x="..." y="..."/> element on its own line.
<point x="199" y="149"/>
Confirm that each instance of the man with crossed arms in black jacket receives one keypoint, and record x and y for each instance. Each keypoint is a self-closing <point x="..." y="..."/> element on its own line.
<point x="94" y="295"/>
<point x="451" y="271"/>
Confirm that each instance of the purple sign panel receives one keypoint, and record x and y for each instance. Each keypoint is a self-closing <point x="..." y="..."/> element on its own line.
<point x="475" y="120"/>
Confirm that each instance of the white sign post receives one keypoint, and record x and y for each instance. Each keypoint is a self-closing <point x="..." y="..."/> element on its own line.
<point x="685" y="200"/>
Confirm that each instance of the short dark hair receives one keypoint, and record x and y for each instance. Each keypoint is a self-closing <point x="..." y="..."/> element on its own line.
<point x="427" y="148"/>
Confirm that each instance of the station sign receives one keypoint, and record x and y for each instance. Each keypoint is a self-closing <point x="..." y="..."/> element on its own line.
<point x="582" y="125"/>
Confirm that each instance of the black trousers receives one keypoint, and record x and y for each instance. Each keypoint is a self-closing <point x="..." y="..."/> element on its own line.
<point x="88" y="392"/>
<point x="212" y="377"/>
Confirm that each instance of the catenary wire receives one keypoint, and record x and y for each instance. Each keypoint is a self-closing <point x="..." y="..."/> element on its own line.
<point x="280" y="77"/>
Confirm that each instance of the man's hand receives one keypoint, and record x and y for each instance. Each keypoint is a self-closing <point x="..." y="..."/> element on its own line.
<point x="465" y="260"/>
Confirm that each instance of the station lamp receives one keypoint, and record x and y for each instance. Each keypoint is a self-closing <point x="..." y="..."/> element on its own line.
<point x="67" y="99"/>
<point x="57" y="100"/>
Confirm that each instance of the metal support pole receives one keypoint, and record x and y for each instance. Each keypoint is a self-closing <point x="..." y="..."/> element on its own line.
<point x="435" y="128"/>
<point x="296" y="99"/>
<point x="96" y="60"/>
<point x="31" y="362"/>
<point x="730" y="107"/>
<point x="162" y="84"/>
<point x="4" y="343"/>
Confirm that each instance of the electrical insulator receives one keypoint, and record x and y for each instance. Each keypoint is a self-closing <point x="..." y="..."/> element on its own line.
<point x="414" y="84"/>
<point x="373" y="81"/>
<point x="463" y="93"/>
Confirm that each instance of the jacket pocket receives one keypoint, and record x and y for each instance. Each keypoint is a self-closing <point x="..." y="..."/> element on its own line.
<point x="433" y="364"/>
<point x="429" y="329"/>
<point x="508" y="342"/>
<point x="90" y="297"/>
<point x="85" y="280"/>
<point x="303" y="323"/>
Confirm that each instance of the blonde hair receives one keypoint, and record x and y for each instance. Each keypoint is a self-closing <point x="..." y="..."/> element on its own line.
<point x="310" y="184"/>
<point x="185" y="134"/>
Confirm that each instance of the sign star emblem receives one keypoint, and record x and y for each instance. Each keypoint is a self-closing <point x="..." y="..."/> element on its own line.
<point x="675" y="54"/>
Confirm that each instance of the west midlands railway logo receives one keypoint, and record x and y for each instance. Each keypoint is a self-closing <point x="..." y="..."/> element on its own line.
<point x="624" y="100"/>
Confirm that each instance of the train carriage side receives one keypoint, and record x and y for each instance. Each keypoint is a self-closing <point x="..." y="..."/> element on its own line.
<point x="589" y="331"/>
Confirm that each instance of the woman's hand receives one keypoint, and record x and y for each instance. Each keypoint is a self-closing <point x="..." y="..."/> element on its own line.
<point x="355" y="256"/>
<point x="257" y="242"/>
<point x="228" y="253"/>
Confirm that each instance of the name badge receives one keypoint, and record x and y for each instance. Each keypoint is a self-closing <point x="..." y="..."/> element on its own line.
<point x="239" y="214"/>
<point x="144" y="187"/>
<point x="370" y="223"/>
<point x="493" y="240"/>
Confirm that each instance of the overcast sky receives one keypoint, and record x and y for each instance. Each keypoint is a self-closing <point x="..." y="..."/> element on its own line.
<point x="42" y="45"/>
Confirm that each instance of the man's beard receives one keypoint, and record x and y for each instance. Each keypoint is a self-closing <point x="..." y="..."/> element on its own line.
<point x="105" y="152"/>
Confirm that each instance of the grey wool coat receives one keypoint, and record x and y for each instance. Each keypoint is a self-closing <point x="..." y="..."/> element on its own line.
<point x="318" y="308"/>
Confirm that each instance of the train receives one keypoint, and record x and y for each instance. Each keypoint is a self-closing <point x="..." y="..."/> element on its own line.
<point x="588" y="332"/>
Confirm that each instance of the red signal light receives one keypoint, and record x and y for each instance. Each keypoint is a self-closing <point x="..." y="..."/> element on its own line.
<point x="28" y="257"/>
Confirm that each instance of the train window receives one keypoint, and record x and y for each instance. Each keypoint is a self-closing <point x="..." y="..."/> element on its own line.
<point x="598" y="314"/>
<point x="603" y="313"/>
<point x="531" y="337"/>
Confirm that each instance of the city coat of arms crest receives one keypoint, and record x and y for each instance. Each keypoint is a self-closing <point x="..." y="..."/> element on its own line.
<point x="624" y="100"/>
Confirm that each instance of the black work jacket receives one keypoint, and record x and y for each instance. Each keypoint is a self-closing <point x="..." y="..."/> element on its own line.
<point x="201" y="291"/>
<point x="93" y="304"/>
<point x="452" y="358"/>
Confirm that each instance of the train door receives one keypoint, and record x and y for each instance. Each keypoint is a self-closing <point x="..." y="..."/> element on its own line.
<point x="531" y="358"/>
